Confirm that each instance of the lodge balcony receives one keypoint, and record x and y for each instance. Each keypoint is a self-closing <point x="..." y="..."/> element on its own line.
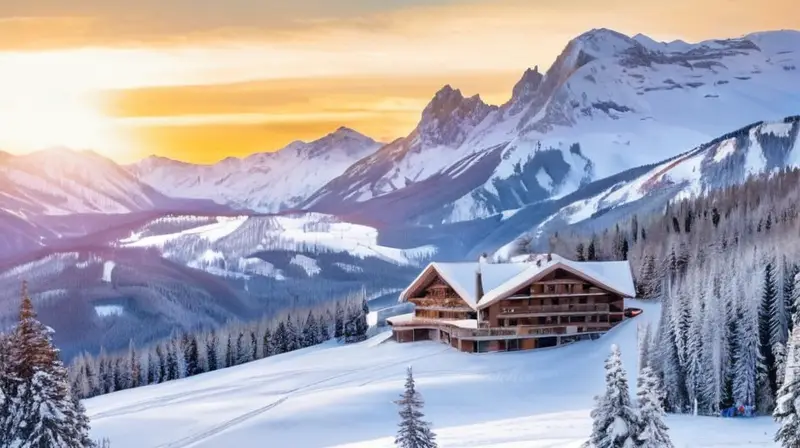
<point x="566" y="309"/>
<point x="465" y="329"/>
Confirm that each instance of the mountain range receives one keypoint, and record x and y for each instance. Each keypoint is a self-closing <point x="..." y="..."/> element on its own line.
<point x="617" y="125"/>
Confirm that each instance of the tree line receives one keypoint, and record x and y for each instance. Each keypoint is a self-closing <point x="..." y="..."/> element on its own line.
<point x="192" y="353"/>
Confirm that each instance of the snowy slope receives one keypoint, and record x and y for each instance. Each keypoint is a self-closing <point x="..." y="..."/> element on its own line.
<point x="263" y="182"/>
<point x="341" y="396"/>
<point x="608" y="103"/>
<point x="230" y="246"/>
<point x="62" y="182"/>
<point x="725" y="161"/>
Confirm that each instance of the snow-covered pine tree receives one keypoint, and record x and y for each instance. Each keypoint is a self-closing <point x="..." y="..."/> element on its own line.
<point x="162" y="363"/>
<point x="413" y="431"/>
<point x="152" y="369"/>
<point x="338" y="324"/>
<point x="789" y="281"/>
<point x="211" y="352"/>
<point x="766" y="325"/>
<point x="787" y="411"/>
<point x="779" y="352"/>
<point x="192" y="358"/>
<point x="134" y="365"/>
<point x="292" y="335"/>
<point x="651" y="431"/>
<point x="323" y="327"/>
<point x="44" y="413"/>
<point x="644" y="338"/>
<point x="745" y="368"/>
<point x="230" y="355"/>
<point x="614" y="419"/>
<point x="253" y="345"/>
<point x="280" y="340"/>
<point x="266" y="343"/>
<point x="361" y="325"/>
<point x="310" y="331"/>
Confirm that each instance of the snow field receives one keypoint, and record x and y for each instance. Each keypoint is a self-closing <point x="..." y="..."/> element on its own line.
<point x="341" y="396"/>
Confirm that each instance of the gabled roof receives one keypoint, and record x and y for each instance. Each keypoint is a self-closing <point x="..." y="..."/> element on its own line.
<point x="461" y="277"/>
<point x="615" y="276"/>
<point x="502" y="279"/>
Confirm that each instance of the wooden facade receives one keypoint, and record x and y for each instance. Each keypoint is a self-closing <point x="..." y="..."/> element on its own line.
<point x="558" y="307"/>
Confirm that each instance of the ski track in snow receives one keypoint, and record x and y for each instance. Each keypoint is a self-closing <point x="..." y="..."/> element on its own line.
<point x="341" y="396"/>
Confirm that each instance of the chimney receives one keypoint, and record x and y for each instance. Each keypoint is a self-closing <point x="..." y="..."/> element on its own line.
<point x="549" y="257"/>
<point x="479" y="280"/>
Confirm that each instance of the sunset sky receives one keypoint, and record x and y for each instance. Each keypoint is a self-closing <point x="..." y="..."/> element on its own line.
<point x="200" y="80"/>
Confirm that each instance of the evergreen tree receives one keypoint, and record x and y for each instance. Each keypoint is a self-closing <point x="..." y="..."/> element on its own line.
<point x="173" y="369"/>
<point x="766" y="324"/>
<point x="615" y="421"/>
<point x="579" y="249"/>
<point x="310" y="331"/>
<point x="242" y="354"/>
<point x="651" y="430"/>
<point x="230" y="356"/>
<point x="414" y="432"/>
<point x="292" y="335"/>
<point x="211" y="351"/>
<point x="266" y="344"/>
<point x="192" y="358"/>
<point x="43" y="413"/>
<point x="135" y="366"/>
<point x="338" y="324"/>
<point x="253" y="345"/>
<point x="591" y="251"/>
<point x="787" y="406"/>
<point x="152" y="369"/>
<point x="162" y="364"/>
<point x="281" y="341"/>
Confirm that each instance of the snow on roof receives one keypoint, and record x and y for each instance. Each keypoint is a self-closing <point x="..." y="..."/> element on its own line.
<point x="461" y="276"/>
<point x="499" y="279"/>
<point x="400" y="318"/>
<point x="613" y="275"/>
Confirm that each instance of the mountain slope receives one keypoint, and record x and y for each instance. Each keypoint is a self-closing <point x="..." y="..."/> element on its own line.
<point x="608" y="103"/>
<point x="263" y="182"/>
<point x="63" y="182"/>
<point x="730" y="159"/>
<point x="341" y="396"/>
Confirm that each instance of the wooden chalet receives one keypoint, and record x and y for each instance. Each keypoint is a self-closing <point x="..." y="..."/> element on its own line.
<point x="485" y="307"/>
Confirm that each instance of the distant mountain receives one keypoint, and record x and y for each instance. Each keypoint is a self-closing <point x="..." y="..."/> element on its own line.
<point x="65" y="182"/>
<point x="265" y="182"/>
<point x="725" y="161"/>
<point x="609" y="103"/>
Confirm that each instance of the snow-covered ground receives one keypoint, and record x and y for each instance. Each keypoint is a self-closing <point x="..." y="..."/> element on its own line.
<point x="341" y="396"/>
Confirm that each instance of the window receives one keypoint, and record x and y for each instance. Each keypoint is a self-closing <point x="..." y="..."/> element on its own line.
<point x="583" y="300"/>
<point x="512" y="322"/>
<point x="551" y="288"/>
<point x="512" y="345"/>
<point x="586" y="287"/>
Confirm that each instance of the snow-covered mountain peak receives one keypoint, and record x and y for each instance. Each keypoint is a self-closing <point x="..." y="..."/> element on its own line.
<point x="264" y="182"/>
<point x="61" y="181"/>
<point x="449" y="117"/>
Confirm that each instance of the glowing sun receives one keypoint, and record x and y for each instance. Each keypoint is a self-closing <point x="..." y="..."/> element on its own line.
<point x="41" y="117"/>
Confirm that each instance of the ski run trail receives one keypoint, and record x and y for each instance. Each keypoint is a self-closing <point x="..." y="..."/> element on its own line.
<point x="342" y="396"/>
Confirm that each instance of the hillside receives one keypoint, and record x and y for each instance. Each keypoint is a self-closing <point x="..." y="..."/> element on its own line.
<point x="182" y="272"/>
<point x="341" y="396"/>
<point x="723" y="162"/>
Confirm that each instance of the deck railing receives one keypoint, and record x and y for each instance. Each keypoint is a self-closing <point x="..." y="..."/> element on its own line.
<point x="549" y="309"/>
<point x="523" y="330"/>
